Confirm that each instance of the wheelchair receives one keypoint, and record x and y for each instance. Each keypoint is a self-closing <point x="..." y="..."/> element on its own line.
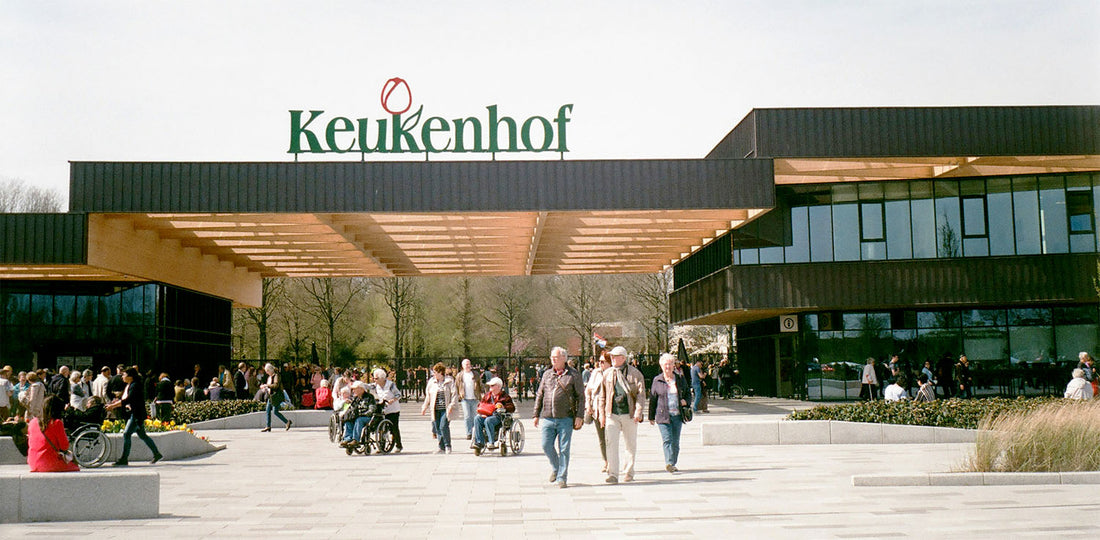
<point x="510" y="436"/>
<point x="336" y="427"/>
<point x="377" y="435"/>
<point x="90" y="446"/>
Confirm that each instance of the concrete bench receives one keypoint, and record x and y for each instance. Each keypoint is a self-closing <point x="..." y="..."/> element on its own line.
<point x="88" y="495"/>
<point x="827" y="432"/>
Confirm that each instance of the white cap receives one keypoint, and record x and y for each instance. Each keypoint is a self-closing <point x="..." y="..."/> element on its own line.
<point x="619" y="351"/>
<point x="495" y="381"/>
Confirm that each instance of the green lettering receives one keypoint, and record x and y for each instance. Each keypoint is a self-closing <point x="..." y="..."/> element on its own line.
<point x="401" y="132"/>
<point x="380" y="143"/>
<point x="460" y="125"/>
<point x="561" y="121"/>
<point x="338" y="125"/>
<point x="494" y="123"/>
<point x="297" y="129"/>
<point x="427" y="130"/>
<point x="547" y="134"/>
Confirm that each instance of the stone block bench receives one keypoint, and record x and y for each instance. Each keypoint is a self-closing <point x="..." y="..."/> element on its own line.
<point x="88" y="495"/>
<point x="827" y="432"/>
<point x="257" y="420"/>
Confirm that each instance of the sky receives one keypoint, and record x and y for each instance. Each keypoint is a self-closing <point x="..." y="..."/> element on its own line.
<point x="214" y="80"/>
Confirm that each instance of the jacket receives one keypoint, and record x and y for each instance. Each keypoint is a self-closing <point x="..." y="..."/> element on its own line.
<point x="560" y="396"/>
<point x="658" y="397"/>
<point x="635" y="392"/>
<point x="32" y="399"/>
<point x="450" y="398"/>
<point x="460" y="384"/>
<point x="41" y="454"/>
<point x="387" y="392"/>
<point x="133" y="400"/>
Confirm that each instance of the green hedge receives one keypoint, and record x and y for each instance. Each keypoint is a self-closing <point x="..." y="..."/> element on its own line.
<point x="955" y="413"/>
<point x="197" y="411"/>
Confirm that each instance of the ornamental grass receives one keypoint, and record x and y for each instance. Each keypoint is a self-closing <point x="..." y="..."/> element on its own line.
<point x="1056" y="437"/>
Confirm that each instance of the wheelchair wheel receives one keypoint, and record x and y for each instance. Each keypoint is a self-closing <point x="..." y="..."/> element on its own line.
<point x="384" y="436"/>
<point x="736" y="392"/>
<point x="515" y="438"/>
<point x="503" y="441"/>
<point x="334" y="428"/>
<point x="91" y="447"/>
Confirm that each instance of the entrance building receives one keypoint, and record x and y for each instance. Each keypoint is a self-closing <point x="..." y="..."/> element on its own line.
<point x="866" y="231"/>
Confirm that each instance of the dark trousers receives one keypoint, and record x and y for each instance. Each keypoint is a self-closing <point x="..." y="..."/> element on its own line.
<point x="164" y="411"/>
<point x="394" y="419"/>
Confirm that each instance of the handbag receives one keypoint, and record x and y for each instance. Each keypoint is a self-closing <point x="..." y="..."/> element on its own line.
<point x="486" y="409"/>
<point x="66" y="456"/>
<point x="686" y="414"/>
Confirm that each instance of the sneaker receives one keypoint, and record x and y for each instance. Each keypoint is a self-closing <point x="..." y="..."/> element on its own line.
<point x="553" y="476"/>
<point x="477" y="451"/>
<point x="562" y="484"/>
<point x="493" y="446"/>
<point x="156" y="457"/>
<point x="670" y="468"/>
<point x="468" y="436"/>
<point x="674" y="469"/>
<point x="448" y="449"/>
<point x="612" y="480"/>
<point x="288" y="424"/>
<point x="120" y="464"/>
<point x="397" y="450"/>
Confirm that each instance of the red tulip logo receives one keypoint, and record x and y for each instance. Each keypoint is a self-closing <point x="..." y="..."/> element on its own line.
<point x="403" y="98"/>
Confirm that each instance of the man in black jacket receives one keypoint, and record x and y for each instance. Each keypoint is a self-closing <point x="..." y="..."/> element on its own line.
<point x="240" y="382"/>
<point x="166" y="393"/>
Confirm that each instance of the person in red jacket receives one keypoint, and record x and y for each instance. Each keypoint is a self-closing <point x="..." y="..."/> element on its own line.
<point x="46" y="439"/>
<point x="324" y="396"/>
<point x="496" y="400"/>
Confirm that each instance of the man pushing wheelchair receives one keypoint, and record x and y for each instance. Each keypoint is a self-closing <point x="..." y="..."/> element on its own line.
<point x="490" y="411"/>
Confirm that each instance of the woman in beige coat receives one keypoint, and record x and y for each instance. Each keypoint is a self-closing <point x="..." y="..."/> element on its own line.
<point x="441" y="398"/>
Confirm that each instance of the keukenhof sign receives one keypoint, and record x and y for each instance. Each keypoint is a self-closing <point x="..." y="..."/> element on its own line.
<point x="397" y="133"/>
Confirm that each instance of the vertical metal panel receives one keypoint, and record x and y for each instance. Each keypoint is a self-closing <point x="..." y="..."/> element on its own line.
<point x="43" y="238"/>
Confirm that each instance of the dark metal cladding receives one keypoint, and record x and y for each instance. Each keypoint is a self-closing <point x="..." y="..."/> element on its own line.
<point x="481" y="186"/>
<point x="985" y="281"/>
<point x="914" y="132"/>
<point x="43" y="238"/>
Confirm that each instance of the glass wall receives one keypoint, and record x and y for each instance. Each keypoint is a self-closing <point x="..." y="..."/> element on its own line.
<point x="924" y="219"/>
<point x="1012" y="350"/>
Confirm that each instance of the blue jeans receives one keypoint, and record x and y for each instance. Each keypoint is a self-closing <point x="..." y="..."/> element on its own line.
<point x="670" y="438"/>
<point x="698" y="391"/>
<point x="486" y="425"/>
<point x="135" y="426"/>
<point x="469" y="414"/>
<point x="353" y="429"/>
<point x="558" y="430"/>
<point x="271" y="407"/>
<point x="442" y="426"/>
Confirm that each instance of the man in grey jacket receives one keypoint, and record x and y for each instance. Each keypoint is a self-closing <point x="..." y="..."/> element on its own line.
<point x="621" y="407"/>
<point x="559" y="406"/>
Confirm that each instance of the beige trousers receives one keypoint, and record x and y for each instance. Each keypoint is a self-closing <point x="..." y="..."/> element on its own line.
<point x="625" y="424"/>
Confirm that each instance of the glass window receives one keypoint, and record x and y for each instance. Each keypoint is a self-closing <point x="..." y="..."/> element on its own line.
<point x="924" y="229"/>
<point x="854" y="321"/>
<point x="935" y="343"/>
<point x="1075" y="315"/>
<point x="1029" y="316"/>
<point x="870" y="221"/>
<point x="999" y="206"/>
<point x="821" y="233"/>
<point x="749" y="256"/>
<point x="1072" y="339"/>
<point x="1079" y="209"/>
<point x="846" y="232"/>
<point x="984" y="317"/>
<point x="1031" y="344"/>
<point x="986" y="345"/>
<point x="1052" y="212"/>
<point x="878" y="321"/>
<point x="948" y="222"/>
<point x="873" y="251"/>
<point x="899" y="242"/>
<point x="799" y="250"/>
<point x="132" y="305"/>
<point x="810" y="321"/>
<point x="938" y="319"/>
<point x="1025" y="205"/>
<point x="41" y="309"/>
<point x="973" y="216"/>
<point x="109" y="309"/>
<point x="87" y="310"/>
<point x="771" y="255"/>
<point x="975" y="247"/>
<point x="64" y="307"/>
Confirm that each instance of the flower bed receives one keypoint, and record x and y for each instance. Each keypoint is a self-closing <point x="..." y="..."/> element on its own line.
<point x="151" y="426"/>
<point x="198" y="411"/>
<point x="955" y="413"/>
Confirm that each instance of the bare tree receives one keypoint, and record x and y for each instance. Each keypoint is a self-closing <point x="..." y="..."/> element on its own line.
<point x="328" y="300"/>
<point x="582" y="302"/>
<point x="400" y="295"/>
<point x="271" y="297"/>
<point x="650" y="291"/>
<point x="465" y="311"/>
<point x="510" y="311"/>
<point x="17" y="196"/>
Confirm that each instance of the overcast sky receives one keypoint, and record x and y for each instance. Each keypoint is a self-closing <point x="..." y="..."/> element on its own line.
<point x="213" y="81"/>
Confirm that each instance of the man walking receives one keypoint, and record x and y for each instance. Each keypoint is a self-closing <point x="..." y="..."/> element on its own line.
<point x="620" y="407"/>
<point x="166" y="393"/>
<point x="559" y="406"/>
<point x="469" y="385"/>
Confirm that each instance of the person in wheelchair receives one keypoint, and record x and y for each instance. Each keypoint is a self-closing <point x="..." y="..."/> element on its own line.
<point x="357" y="413"/>
<point x="94" y="414"/>
<point x="489" y="411"/>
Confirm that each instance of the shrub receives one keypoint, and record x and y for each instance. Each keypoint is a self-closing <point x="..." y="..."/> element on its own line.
<point x="1055" y="437"/>
<point x="197" y="411"/>
<point x="955" y="413"/>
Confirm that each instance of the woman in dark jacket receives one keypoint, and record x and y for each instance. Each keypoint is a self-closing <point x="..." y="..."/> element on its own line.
<point x="133" y="404"/>
<point x="668" y="395"/>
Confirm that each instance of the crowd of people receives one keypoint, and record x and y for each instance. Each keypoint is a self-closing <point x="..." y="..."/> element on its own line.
<point x="895" y="381"/>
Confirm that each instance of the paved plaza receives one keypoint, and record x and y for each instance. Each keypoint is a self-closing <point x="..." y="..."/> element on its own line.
<point x="297" y="484"/>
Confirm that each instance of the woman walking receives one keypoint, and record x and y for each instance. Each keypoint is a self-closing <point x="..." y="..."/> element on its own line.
<point x="386" y="391"/>
<point x="667" y="398"/>
<point x="592" y="402"/>
<point x="441" y="397"/>
<point x="132" y="404"/>
<point x="275" y="396"/>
